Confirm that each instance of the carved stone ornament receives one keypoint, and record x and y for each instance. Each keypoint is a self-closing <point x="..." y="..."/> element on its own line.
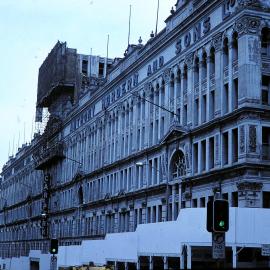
<point x="252" y="139"/>
<point x="167" y="75"/>
<point x="242" y="139"/>
<point x="189" y="60"/>
<point x="254" y="186"/>
<point x="147" y="88"/>
<point x="98" y="122"/>
<point x="120" y="107"/>
<point x="247" y="25"/>
<point x="187" y="154"/>
<point x="255" y="3"/>
<point x="217" y="41"/>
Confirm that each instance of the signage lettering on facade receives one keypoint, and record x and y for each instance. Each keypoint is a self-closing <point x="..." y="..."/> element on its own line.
<point x="82" y="118"/>
<point x="157" y="64"/>
<point x="228" y="8"/>
<point x="202" y="27"/>
<point x="120" y="90"/>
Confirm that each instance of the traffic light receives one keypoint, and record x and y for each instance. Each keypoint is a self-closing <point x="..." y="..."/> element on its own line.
<point x="221" y="216"/>
<point x="54" y="246"/>
<point x="209" y="222"/>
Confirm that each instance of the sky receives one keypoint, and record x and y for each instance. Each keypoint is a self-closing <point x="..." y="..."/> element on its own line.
<point x="30" y="28"/>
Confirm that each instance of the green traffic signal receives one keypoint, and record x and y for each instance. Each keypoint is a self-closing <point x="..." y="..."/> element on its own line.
<point x="54" y="246"/>
<point x="220" y="215"/>
<point x="221" y="223"/>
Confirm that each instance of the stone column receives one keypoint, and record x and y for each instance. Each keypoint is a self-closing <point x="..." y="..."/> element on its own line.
<point x="182" y="97"/>
<point x="160" y="111"/>
<point x="189" y="62"/>
<point x="151" y="263"/>
<point x="199" y="116"/>
<point x="189" y="259"/>
<point x="135" y="124"/>
<point x="138" y="264"/>
<point x="217" y="42"/>
<point x="119" y="133"/>
<point x="126" y="266"/>
<point x="130" y="120"/>
<point x="116" y="218"/>
<point x="199" y="157"/>
<point x="154" y="116"/>
<point x="182" y="257"/>
<point x="230" y="71"/>
<point x="140" y="146"/>
<point x="124" y="131"/>
<point x="180" y="196"/>
<point x="234" y="257"/>
<point x="173" y="201"/>
<point x="207" y="155"/>
<point x="208" y="89"/>
<point x="230" y="158"/>
<point x="131" y="219"/>
<point x="143" y="215"/>
<point x="165" y="261"/>
<point x="176" y="87"/>
<point x="158" y="171"/>
<point x="164" y="211"/>
<point x="147" y="116"/>
<point x="166" y="76"/>
<point x="249" y="61"/>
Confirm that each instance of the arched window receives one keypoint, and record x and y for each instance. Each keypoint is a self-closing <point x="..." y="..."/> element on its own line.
<point x="225" y="52"/>
<point x="235" y="46"/>
<point x="178" y="165"/>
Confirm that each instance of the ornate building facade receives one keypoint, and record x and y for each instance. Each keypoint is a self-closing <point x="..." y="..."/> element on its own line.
<point x="135" y="140"/>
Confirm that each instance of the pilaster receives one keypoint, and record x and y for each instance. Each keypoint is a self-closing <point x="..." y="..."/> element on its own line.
<point x="249" y="62"/>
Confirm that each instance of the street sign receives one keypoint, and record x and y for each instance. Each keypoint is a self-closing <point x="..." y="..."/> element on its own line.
<point x="218" y="245"/>
<point x="266" y="250"/>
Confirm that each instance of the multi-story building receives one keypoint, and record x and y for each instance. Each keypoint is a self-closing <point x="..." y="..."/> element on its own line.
<point x="147" y="139"/>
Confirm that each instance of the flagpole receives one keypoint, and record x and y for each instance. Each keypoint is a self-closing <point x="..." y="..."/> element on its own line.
<point x="129" y="24"/>
<point x="157" y="18"/>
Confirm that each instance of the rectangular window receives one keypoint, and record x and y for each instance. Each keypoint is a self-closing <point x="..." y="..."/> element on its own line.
<point x="211" y="152"/>
<point x="203" y="155"/>
<point x="235" y="199"/>
<point x="235" y="145"/>
<point x="204" y="101"/>
<point x="151" y="133"/>
<point x="235" y="94"/>
<point x="84" y="67"/>
<point x="194" y="203"/>
<point x="225" y="146"/>
<point x="150" y="167"/>
<point x="185" y="115"/>
<point x="196" y="112"/>
<point x="265" y="90"/>
<point x="202" y="202"/>
<point x="101" y="69"/>
<point x="162" y="127"/>
<point x="143" y="134"/>
<point x="226" y="98"/>
<point x="212" y="105"/>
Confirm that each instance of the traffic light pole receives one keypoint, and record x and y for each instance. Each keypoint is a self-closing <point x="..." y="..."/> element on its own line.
<point x="218" y="238"/>
<point x="53" y="262"/>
